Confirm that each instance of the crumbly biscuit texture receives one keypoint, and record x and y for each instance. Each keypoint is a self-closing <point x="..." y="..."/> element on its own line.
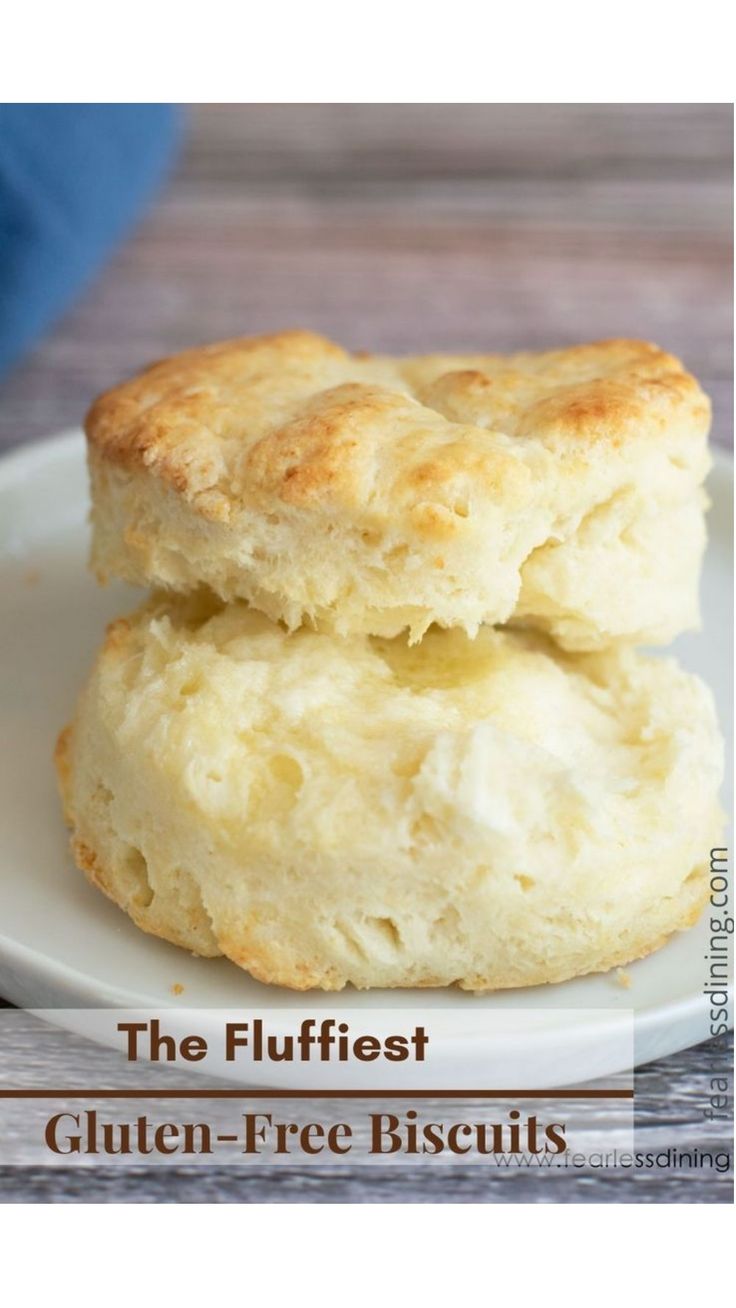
<point x="492" y="813"/>
<point x="371" y="495"/>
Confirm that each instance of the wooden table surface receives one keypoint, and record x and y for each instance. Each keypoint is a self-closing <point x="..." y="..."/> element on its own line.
<point x="415" y="228"/>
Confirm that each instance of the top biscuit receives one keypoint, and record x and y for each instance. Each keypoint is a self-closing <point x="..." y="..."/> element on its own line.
<point x="365" y="494"/>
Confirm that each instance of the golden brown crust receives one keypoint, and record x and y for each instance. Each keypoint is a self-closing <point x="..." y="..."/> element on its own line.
<point x="62" y="756"/>
<point x="364" y="494"/>
<point x="300" y="419"/>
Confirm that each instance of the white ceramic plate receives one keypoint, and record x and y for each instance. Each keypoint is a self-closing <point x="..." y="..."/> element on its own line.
<point x="62" y="944"/>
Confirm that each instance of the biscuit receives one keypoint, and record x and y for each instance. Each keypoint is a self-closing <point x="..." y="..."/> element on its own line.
<point x="490" y="813"/>
<point x="369" y="495"/>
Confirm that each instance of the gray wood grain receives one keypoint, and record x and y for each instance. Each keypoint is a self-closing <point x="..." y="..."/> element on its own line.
<point x="407" y="228"/>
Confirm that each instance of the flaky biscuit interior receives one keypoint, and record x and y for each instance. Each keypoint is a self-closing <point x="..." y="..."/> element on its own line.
<point x="491" y="813"/>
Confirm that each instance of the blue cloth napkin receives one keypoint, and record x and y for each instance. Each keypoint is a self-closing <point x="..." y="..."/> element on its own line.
<point x="73" y="179"/>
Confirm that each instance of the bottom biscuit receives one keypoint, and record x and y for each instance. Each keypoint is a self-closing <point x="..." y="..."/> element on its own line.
<point x="492" y="813"/>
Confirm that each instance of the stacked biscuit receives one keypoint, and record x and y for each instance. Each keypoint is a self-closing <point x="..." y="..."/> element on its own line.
<point x="382" y="720"/>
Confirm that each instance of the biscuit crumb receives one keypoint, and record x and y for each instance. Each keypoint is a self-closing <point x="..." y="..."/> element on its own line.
<point x="177" y="988"/>
<point x="623" y="979"/>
